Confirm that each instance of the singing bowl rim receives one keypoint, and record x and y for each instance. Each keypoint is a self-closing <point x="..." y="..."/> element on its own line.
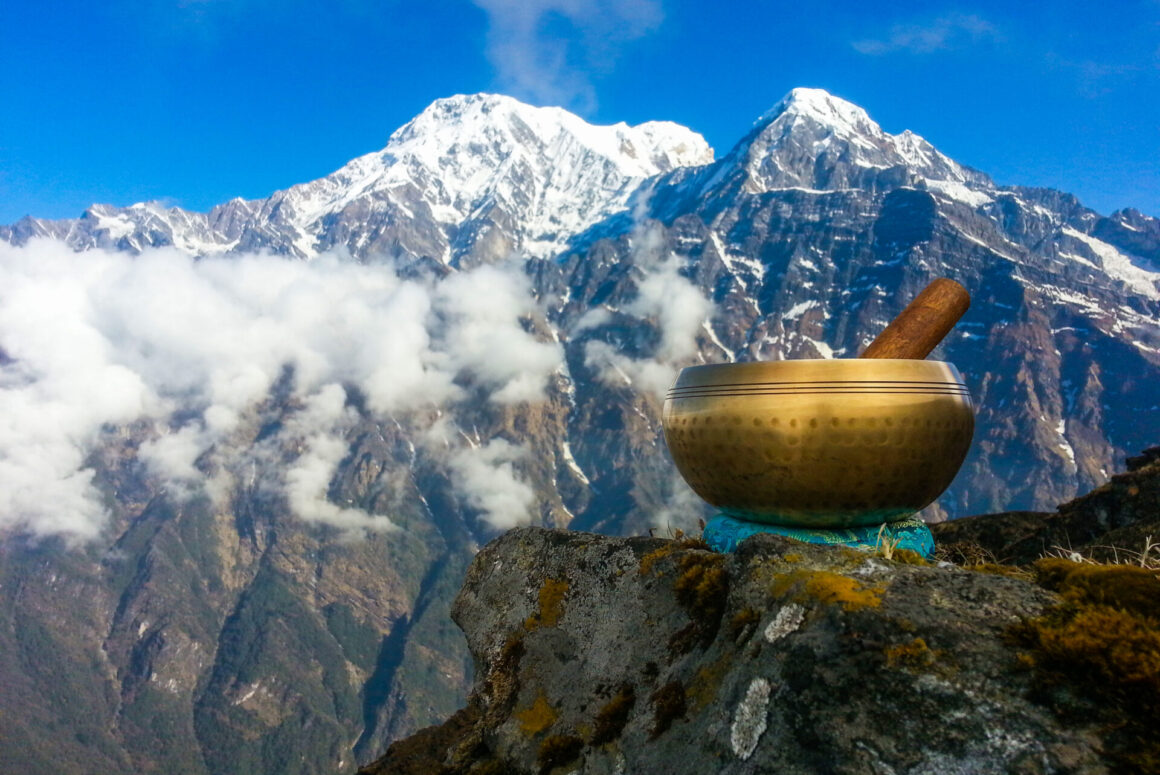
<point x="863" y="372"/>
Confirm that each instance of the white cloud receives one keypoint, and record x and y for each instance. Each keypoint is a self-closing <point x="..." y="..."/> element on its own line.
<point x="486" y="476"/>
<point x="542" y="49"/>
<point x="946" y="32"/>
<point x="99" y="339"/>
<point x="485" y="337"/>
<point x="318" y="429"/>
<point x="677" y="305"/>
<point x="678" y="308"/>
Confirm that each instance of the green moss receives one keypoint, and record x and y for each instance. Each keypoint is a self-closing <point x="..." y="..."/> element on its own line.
<point x="681" y="542"/>
<point x="908" y="557"/>
<point x="1127" y="587"/>
<point x="1097" y="654"/>
<point x="611" y="718"/>
<point x="1010" y="571"/>
<point x="702" y="588"/>
<point x="668" y="705"/>
<point x="558" y="750"/>
<point x="706" y="682"/>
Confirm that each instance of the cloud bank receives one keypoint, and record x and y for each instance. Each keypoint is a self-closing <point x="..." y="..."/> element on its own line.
<point x="94" y="340"/>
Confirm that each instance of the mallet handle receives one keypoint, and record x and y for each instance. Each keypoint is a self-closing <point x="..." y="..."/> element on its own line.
<point x="922" y="325"/>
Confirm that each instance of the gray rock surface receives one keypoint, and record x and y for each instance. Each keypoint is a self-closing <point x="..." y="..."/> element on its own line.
<point x="603" y="655"/>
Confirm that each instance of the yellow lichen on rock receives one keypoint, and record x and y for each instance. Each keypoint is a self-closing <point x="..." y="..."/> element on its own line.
<point x="911" y="655"/>
<point x="538" y="718"/>
<point x="649" y="560"/>
<point x="551" y="605"/>
<point x="828" y="588"/>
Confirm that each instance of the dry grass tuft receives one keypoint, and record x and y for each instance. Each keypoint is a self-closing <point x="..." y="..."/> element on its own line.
<point x="1148" y="557"/>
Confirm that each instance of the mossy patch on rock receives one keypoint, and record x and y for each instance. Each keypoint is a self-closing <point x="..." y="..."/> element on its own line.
<point x="706" y="683"/>
<point x="612" y="717"/>
<point x="913" y="655"/>
<point x="743" y="622"/>
<point x="1127" y="587"/>
<point x="557" y="751"/>
<point x="502" y="682"/>
<point x="424" y="752"/>
<point x="680" y="543"/>
<point x="1098" y="652"/>
<point x="1010" y="571"/>
<point x="668" y="705"/>
<point x="702" y="587"/>
<point x="907" y="557"/>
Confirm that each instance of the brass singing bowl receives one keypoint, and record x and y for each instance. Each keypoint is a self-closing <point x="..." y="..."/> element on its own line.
<point x="819" y="443"/>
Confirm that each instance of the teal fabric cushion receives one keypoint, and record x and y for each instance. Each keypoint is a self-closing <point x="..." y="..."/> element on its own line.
<point x="723" y="533"/>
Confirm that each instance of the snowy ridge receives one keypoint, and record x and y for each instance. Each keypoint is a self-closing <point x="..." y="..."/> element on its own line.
<point x="469" y="165"/>
<point x="815" y="141"/>
<point x="468" y="155"/>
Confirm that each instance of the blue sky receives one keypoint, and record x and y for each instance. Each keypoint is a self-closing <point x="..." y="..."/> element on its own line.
<point x="194" y="102"/>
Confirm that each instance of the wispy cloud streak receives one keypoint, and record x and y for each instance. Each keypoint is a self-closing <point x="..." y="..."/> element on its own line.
<point x="944" y="33"/>
<point x="544" y="50"/>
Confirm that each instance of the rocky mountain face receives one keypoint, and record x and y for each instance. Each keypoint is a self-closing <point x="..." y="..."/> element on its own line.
<point x="607" y="655"/>
<point x="219" y="632"/>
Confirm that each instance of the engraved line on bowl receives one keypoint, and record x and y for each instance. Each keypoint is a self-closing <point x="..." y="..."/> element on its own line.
<point x="835" y="382"/>
<point x="820" y="388"/>
<point x="728" y="393"/>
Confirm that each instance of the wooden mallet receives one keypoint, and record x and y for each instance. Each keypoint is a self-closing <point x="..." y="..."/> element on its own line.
<point x="922" y="325"/>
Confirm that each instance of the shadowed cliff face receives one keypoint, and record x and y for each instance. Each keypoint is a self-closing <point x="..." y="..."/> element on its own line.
<point x="608" y="655"/>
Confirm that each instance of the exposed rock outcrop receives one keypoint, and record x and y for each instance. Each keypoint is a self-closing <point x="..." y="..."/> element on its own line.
<point x="603" y="655"/>
<point x="1111" y="523"/>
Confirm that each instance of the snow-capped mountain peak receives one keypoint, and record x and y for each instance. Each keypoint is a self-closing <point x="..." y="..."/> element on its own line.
<point x="639" y="151"/>
<point x="820" y="106"/>
<point x="815" y="141"/>
<point x="484" y="161"/>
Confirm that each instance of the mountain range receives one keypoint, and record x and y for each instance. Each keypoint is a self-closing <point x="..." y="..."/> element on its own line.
<point x="220" y="631"/>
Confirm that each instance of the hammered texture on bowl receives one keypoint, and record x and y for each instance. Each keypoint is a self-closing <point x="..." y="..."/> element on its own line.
<point x="819" y="443"/>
